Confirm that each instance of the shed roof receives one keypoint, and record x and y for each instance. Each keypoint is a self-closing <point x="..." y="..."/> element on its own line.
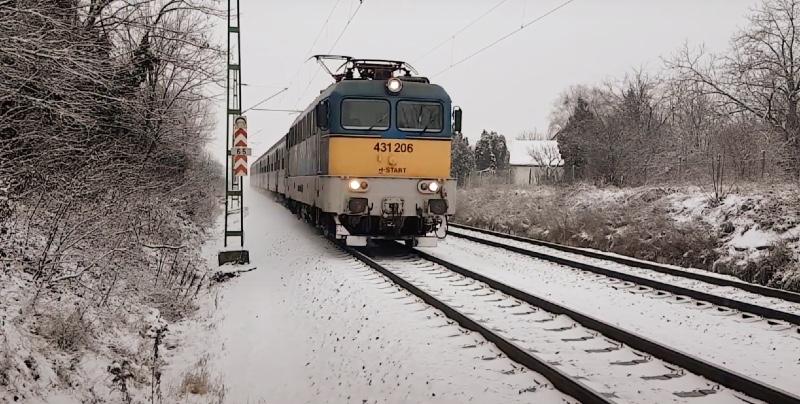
<point x="539" y="153"/>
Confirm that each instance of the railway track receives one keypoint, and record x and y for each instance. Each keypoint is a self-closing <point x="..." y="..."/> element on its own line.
<point x="584" y="357"/>
<point x="705" y="288"/>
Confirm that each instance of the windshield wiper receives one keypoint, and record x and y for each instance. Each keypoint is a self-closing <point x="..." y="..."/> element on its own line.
<point x="378" y="122"/>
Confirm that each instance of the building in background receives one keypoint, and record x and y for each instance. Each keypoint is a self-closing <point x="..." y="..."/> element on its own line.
<point x="535" y="162"/>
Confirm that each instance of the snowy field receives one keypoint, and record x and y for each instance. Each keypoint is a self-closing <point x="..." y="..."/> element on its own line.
<point x="312" y="325"/>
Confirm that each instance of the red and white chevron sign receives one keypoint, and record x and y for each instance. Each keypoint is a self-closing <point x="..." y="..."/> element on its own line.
<point x="240" y="166"/>
<point x="240" y="141"/>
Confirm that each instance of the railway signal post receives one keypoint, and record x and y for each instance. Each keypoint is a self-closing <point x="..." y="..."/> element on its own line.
<point x="236" y="150"/>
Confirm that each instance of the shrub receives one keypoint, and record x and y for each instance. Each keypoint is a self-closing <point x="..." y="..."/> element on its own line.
<point x="638" y="226"/>
<point x="68" y="333"/>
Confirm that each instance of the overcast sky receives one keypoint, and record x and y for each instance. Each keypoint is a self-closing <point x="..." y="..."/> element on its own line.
<point x="509" y="88"/>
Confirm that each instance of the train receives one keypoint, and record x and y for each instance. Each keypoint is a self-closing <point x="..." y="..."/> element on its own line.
<point x="369" y="158"/>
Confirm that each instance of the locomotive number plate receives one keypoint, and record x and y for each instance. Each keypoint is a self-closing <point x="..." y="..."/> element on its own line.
<point x="396" y="147"/>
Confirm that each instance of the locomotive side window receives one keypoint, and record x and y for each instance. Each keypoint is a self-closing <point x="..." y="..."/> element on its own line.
<point x="414" y="116"/>
<point x="365" y="114"/>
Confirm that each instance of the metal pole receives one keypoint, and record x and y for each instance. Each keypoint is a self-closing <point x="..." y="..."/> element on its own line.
<point x="227" y="126"/>
<point x="239" y="107"/>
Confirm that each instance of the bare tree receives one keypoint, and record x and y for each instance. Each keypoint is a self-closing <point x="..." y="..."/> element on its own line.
<point x="565" y="105"/>
<point x="547" y="158"/>
<point x="104" y="116"/>
<point x="533" y="134"/>
<point x="760" y="76"/>
<point x="619" y="134"/>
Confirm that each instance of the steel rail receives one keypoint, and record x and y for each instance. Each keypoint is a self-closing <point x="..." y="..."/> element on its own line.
<point x="728" y="378"/>
<point x="753" y="309"/>
<point x="560" y="380"/>
<point x="749" y="287"/>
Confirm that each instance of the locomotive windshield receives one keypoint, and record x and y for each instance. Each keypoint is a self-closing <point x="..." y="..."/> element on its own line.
<point x="414" y="116"/>
<point x="365" y="114"/>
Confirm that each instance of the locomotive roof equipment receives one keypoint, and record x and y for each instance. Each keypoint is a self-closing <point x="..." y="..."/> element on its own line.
<point x="369" y="69"/>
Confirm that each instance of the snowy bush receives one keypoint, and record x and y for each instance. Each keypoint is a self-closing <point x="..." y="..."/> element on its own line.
<point x="68" y="333"/>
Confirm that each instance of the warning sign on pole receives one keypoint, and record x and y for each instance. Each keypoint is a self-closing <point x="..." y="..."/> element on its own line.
<point x="239" y="143"/>
<point x="240" y="166"/>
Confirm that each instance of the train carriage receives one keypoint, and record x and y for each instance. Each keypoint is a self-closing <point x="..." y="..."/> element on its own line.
<point x="370" y="157"/>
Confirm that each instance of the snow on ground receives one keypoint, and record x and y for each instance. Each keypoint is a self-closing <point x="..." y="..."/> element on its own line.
<point x="311" y="324"/>
<point x="757" y="349"/>
<point x="753" y="238"/>
<point x="601" y="364"/>
<point x="756" y="218"/>
<point x="34" y="370"/>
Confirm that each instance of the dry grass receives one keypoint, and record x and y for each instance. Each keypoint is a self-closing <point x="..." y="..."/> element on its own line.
<point x="5" y="369"/>
<point x="195" y="383"/>
<point x="198" y="382"/>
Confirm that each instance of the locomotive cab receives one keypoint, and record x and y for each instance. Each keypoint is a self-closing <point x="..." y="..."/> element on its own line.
<point x="370" y="157"/>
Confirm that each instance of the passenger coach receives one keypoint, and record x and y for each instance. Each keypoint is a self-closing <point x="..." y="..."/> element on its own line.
<point x="370" y="157"/>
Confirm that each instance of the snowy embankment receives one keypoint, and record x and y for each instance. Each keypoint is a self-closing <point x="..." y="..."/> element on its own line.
<point x="83" y="313"/>
<point x="311" y="325"/>
<point x="752" y="233"/>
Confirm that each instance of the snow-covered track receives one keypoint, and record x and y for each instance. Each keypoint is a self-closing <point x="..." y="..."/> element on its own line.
<point x="694" y="293"/>
<point x="561" y="381"/>
<point x="710" y="371"/>
<point x="563" y="346"/>
<point x="653" y="266"/>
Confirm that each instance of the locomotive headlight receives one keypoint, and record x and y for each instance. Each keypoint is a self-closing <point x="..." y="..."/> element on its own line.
<point x="429" y="186"/>
<point x="394" y="85"/>
<point x="358" y="185"/>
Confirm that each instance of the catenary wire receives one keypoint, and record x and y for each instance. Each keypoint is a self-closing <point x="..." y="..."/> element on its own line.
<point x="460" y="30"/>
<point x="330" y="50"/>
<point x="504" y="37"/>
<point x="266" y="99"/>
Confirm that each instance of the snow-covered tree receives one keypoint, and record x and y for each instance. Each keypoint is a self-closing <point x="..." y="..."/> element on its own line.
<point x="491" y="151"/>
<point x="105" y="112"/>
<point x="462" y="158"/>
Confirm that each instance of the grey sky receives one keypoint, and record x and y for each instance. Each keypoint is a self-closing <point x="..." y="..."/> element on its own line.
<point x="509" y="88"/>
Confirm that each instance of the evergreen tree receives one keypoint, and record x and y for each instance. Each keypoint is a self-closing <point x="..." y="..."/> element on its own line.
<point x="491" y="151"/>
<point x="576" y="135"/>
<point x="462" y="158"/>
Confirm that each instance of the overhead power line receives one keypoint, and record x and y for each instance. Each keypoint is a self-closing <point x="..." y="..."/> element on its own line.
<point x="504" y="37"/>
<point x="266" y="99"/>
<point x="333" y="46"/>
<point x="314" y="43"/>
<point x="321" y="29"/>
<point x="293" y="111"/>
<point x="462" y="29"/>
<point x="346" y="25"/>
